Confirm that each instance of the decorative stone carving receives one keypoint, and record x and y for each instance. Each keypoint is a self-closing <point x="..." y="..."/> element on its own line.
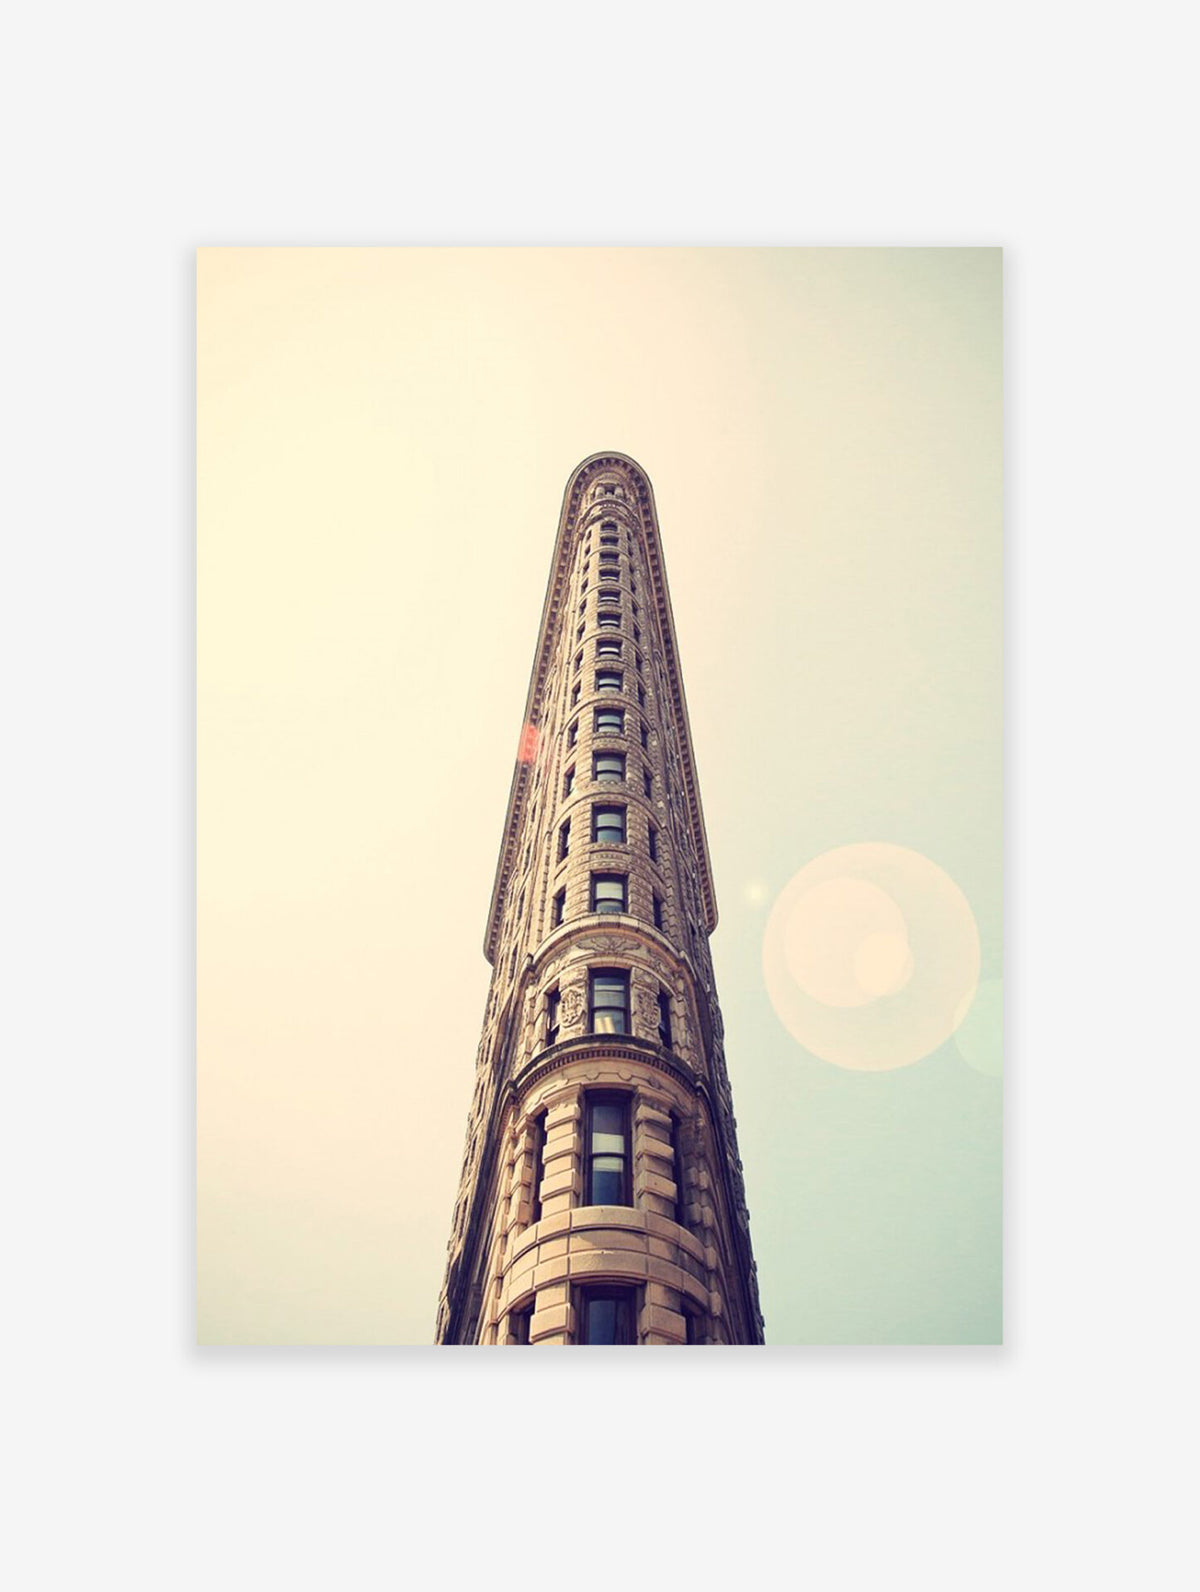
<point x="645" y="1013"/>
<point x="572" y="1008"/>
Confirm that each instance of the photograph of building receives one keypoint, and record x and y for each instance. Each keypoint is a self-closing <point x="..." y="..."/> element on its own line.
<point x="602" y="1199"/>
<point x="767" y="672"/>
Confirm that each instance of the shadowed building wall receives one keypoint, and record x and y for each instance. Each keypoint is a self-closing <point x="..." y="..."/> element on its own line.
<point x="601" y="1198"/>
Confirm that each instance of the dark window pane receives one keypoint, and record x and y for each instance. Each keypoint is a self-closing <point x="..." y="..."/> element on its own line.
<point x="607" y="1317"/>
<point x="608" y="892"/>
<point x="610" y="1003"/>
<point x="608" y="1123"/>
<point x="608" y="1182"/>
<point x="608" y="825"/>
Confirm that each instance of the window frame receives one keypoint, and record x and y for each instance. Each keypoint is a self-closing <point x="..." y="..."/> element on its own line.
<point x="521" y="1336"/>
<point x="665" y="1032"/>
<point x="607" y="808"/>
<point x="598" y="729"/>
<point x="607" y="877"/>
<point x="613" y="974"/>
<point x="625" y="1296"/>
<point x="552" y="1014"/>
<point x="539" y="1167"/>
<point x="608" y="1097"/>
<point x="608" y="779"/>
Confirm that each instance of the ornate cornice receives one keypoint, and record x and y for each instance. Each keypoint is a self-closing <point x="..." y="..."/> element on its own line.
<point x="589" y="1048"/>
<point x="556" y="591"/>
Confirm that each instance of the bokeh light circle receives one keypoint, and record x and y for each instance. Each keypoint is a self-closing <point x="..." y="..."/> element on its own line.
<point x="871" y="956"/>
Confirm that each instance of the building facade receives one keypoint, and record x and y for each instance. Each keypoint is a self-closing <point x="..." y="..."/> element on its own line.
<point x="601" y="1198"/>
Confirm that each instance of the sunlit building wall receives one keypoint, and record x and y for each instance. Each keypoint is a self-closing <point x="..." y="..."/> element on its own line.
<point x="601" y="1199"/>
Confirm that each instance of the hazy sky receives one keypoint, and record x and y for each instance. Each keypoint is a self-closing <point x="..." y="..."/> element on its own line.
<point x="384" y="439"/>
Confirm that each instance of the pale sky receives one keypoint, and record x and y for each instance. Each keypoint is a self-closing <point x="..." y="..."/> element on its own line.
<point x="384" y="439"/>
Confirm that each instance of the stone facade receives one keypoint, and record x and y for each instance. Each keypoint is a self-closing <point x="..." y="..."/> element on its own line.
<point x="601" y="1067"/>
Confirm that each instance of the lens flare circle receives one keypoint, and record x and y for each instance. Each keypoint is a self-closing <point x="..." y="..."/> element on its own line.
<point x="871" y="956"/>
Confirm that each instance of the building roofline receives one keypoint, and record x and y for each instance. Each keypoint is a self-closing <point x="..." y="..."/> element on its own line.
<point x="556" y="590"/>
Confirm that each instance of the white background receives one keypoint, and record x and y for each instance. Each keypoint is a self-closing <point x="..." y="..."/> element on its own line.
<point x="134" y="133"/>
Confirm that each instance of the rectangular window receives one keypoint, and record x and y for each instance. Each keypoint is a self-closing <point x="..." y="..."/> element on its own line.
<point x="606" y="1316"/>
<point x="518" y="1323"/>
<point x="578" y="662"/>
<point x="637" y="635"/>
<point x="647" y="782"/>
<point x="609" y="892"/>
<point x="573" y="732"/>
<point x="608" y="648"/>
<point x="609" y="538"/>
<point x="575" y="695"/>
<point x="609" y="1000"/>
<point x="637" y="658"/>
<point x="609" y="620"/>
<point x="579" y="633"/>
<point x="608" y="679"/>
<point x="569" y="781"/>
<point x="608" y="826"/>
<point x="652" y="838"/>
<point x="564" y="839"/>
<point x="658" y="912"/>
<point x="609" y="721"/>
<point x="606" y="1144"/>
<point x="677" y="1169"/>
<point x="641" y="696"/>
<point x="645" y="738"/>
<point x="608" y="766"/>
<point x="560" y="907"/>
<point x="664" y="1019"/>
<point x="552" y="1009"/>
